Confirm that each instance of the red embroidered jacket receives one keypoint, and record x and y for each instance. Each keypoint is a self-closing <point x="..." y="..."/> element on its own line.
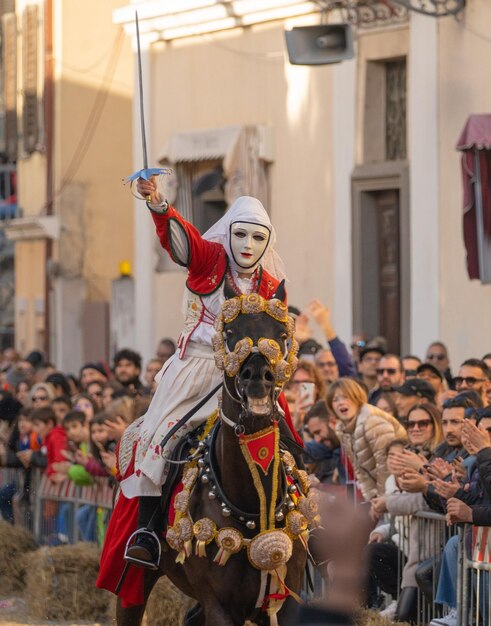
<point x="207" y="261"/>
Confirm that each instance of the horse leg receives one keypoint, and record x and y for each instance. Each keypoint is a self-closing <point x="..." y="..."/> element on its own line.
<point x="133" y="615"/>
<point x="195" y="616"/>
<point x="215" y="616"/>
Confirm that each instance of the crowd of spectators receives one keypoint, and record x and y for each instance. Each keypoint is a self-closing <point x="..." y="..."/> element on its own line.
<point x="408" y="436"/>
<point x="400" y="431"/>
<point x="68" y="426"/>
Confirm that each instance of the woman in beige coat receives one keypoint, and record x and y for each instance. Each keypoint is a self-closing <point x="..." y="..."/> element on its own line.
<point x="364" y="431"/>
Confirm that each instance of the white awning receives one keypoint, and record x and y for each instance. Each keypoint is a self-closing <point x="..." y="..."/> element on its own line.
<point x="33" y="228"/>
<point x="214" y="143"/>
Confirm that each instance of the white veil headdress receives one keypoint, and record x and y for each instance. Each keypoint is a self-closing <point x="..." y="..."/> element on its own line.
<point x="247" y="209"/>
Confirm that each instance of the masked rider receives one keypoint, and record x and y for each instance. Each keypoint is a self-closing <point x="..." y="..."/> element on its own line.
<point x="239" y="248"/>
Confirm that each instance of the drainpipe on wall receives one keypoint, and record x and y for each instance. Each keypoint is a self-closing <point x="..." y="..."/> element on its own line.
<point x="49" y="142"/>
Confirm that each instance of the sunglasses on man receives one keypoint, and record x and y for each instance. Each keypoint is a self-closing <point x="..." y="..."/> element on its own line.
<point x="470" y="381"/>
<point x="390" y="371"/>
<point x="435" y="357"/>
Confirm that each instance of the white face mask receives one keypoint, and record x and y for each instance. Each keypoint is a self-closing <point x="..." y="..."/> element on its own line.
<point x="248" y="243"/>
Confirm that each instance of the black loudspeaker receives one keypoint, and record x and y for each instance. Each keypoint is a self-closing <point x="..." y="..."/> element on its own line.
<point x="319" y="45"/>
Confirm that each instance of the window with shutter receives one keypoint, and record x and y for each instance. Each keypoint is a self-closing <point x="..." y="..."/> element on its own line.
<point x="8" y="133"/>
<point x="30" y="78"/>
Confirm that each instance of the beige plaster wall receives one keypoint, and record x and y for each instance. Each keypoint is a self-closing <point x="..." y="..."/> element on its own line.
<point x="30" y="295"/>
<point x="92" y="154"/>
<point x="244" y="77"/>
<point x="93" y="139"/>
<point x="464" y="88"/>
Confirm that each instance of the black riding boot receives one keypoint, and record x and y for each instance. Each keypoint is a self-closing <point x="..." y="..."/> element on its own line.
<point x="407" y="605"/>
<point x="144" y="550"/>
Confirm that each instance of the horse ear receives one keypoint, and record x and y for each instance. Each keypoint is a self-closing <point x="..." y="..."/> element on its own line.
<point x="228" y="290"/>
<point x="280" y="293"/>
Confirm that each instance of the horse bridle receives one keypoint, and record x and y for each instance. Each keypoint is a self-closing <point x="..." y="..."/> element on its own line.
<point x="240" y="399"/>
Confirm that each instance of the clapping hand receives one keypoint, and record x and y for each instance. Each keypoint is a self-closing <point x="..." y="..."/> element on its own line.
<point x="412" y="481"/>
<point x="459" y="469"/>
<point x="446" y="489"/>
<point x="439" y="469"/>
<point x="407" y="460"/>
<point x="473" y="438"/>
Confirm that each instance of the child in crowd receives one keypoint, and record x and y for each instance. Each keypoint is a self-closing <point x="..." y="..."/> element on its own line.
<point x="54" y="440"/>
<point x="101" y="459"/>
<point x="28" y="439"/>
<point x="78" y="433"/>
<point x="77" y="429"/>
<point x="61" y="405"/>
<point x="108" y="392"/>
<point x="85" y="403"/>
<point x="22" y="389"/>
<point x="124" y="411"/>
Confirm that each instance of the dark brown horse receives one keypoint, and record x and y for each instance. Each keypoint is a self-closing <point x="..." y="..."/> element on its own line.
<point x="225" y="493"/>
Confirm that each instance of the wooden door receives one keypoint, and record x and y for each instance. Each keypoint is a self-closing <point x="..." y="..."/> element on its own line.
<point x="389" y="291"/>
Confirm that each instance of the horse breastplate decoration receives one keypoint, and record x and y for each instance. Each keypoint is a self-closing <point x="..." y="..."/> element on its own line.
<point x="279" y="526"/>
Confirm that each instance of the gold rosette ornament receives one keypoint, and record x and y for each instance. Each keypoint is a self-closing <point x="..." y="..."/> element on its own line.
<point x="297" y="526"/>
<point x="309" y="508"/>
<point x="204" y="530"/>
<point x="270" y="550"/>
<point x="179" y="537"/>
<point x="181" y="501"/>
<point x="229" y="541"/>
<point x="189" y="477"/>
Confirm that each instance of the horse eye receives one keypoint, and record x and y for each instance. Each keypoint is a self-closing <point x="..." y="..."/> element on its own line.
<point x="284" y="336"/>
<point x="229" y="332"/>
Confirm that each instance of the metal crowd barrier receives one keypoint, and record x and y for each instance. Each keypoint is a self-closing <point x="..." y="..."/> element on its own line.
<point x="474" y="602"/>
<point x="59" y="512"/>
<point x="15" y="496"/>
<point x="433" y="534"/>
<point x="472" y="574"/>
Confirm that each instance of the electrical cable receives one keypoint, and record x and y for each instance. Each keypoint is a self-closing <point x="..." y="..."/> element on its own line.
<point x="92" y="120"/>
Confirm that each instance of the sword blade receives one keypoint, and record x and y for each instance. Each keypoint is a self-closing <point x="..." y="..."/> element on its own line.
<point x="140" y="88"/>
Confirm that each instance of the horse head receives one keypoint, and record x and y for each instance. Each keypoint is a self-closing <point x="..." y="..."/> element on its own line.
<point x="255" y="347"/>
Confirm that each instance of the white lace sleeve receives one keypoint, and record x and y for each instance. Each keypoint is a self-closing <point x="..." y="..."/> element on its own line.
<point x="179" y="242"/>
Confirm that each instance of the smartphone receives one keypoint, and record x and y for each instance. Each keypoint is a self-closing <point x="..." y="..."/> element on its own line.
<point x="306" y="394"/>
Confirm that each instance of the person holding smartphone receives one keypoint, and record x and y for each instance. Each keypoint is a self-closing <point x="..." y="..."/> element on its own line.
<point x="305" y="387"/>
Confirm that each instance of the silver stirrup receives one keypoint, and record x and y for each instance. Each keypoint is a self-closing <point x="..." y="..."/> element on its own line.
<point x="146" y="564"/>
